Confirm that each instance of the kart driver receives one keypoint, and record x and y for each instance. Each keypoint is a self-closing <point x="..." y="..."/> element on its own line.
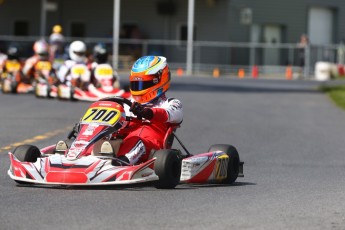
<point x="77" y="53"/>
<point x="41" y="50"/>
<point x="149" y="80"/>
<point x="100" y="56"/>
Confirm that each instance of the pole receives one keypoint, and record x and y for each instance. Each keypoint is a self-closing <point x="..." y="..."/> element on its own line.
<point x="306" y="61"/>
<point x="190" y="37"/>
<point x="116" y="34"/>
<point x="43" y="18"/>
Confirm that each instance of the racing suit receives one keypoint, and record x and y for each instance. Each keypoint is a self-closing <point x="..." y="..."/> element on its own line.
<point x="29" y="68"/>
<point x="65" y="76"/>
<point x="143" y="136"/>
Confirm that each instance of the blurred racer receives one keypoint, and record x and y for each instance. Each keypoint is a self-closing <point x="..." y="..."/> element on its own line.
<point x="77" y="54"/>
<point x="3" y="58"/>
<point x="11" y="70"/>
<point x="12" y="55"/>
<point x="149" y="80"/>
<point x="31" y="70"/>
<point x="57" y="45"/>
<point x="100" y="57"/>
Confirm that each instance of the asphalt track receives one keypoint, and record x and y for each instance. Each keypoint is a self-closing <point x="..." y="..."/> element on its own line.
<point x="290" y="136"/>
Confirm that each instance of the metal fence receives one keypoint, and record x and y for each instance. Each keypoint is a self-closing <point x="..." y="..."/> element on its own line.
<point x="228" y="58"/>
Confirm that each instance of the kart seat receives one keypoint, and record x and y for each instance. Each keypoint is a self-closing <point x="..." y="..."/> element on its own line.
<point x="114" y="143"/>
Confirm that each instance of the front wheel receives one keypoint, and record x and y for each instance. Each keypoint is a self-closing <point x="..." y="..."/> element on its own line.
<point x="234" y="161"/>
<point x="168" y="168"/>
<point x="27" y="153"/>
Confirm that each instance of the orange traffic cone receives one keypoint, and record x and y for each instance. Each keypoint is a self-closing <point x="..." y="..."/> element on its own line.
<point x="241" y="73"/>
<point x="179" y="72"/>
<point x="216" y="72"/>
<point x="288" y="73"/>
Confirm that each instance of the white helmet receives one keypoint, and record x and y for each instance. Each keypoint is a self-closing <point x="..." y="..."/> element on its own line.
<point x="77" y="51"/>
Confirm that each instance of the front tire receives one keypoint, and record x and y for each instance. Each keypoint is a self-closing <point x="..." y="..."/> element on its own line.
<point x="234" y="161"/>
<point x="27" y="153"/>
<point x="168" y="168"/>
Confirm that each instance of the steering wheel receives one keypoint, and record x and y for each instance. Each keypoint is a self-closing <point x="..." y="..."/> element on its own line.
<point x="117" y="99"/>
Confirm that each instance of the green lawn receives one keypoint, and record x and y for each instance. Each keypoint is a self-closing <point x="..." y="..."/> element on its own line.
<point x="336" y="93"/>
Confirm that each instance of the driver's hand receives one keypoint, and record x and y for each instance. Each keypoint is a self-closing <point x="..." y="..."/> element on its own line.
<point x="141" y="111"/>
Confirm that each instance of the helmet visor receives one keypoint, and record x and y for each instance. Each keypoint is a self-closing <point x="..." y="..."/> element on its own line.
<point x="142" y="85"/>
<point x="79" y="53"/>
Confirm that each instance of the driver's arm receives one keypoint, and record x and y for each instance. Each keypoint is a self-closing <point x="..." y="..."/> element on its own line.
<point x="171" y="112"/>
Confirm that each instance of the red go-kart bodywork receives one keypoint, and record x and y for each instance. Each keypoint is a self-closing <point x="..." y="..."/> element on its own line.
<point x="82" y="164"/>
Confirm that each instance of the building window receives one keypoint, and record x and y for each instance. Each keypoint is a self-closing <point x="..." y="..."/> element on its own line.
<point x="21" y="28"/>
<point x="77" y="29"/>
<point x="183" y="33"/>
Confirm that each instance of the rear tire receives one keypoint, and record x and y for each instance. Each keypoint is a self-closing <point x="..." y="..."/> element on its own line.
<point x="168" y="168"/>
<point x="14" y="86"/>
<point x="27" y="153"/>
<point x="234" y="161"/>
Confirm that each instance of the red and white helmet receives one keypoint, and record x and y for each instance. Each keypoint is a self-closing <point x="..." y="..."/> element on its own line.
<point x="41" y="48"/>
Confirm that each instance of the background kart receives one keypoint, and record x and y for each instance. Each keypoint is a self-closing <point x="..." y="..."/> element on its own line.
<point x="85" y="87"/>
<point x="12" y="79"/>
<point x="46" y="80"/>
<point x="84" y="164"/>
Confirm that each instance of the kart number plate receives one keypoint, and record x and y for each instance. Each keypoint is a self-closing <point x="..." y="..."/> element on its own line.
<point x="103" y="72"/>
<point x="101" y="115"/>
<point x="12" y="66"/>
<point x="43" y="65"/>
<point x="79" y="71"/>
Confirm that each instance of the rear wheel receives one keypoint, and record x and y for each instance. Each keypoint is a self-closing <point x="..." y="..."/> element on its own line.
<point x="234" y="161"/>
<point x="168" y="168"/>
<point x="14" y="86"/>
<point x="27" y="153"/>
<point x="49" y="89"/>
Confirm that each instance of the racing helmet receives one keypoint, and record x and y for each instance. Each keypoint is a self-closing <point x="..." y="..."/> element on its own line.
<point x="41" y="49"/>
<point x="12" y="52"/>
<point x="77" y="51"/>
<point x="100" y="53"/>
<point x="57" y="29"/>
<point x="149" y="79"/>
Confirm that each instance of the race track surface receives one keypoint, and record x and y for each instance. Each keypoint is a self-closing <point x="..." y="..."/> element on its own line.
<point x="290" y="136"/>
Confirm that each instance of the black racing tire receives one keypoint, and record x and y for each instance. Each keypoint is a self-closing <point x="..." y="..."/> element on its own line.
<point x="234" y="161"/>
<point x="14" y="86"/>
<point x="49" y="88"/>
<point x="72" y="95"/>
<point x="168" y="168"/>
<point x="27" y="153"/>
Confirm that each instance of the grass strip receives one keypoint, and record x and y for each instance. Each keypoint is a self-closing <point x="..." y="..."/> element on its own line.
<point x="336" y="93"/>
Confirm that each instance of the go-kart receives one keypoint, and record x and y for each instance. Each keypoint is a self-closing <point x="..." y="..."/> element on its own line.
<point x="12" y="78"/>
<point x="46" y="80"/>
<point x="87" y="87"/>
<point x="83" y="164"/>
